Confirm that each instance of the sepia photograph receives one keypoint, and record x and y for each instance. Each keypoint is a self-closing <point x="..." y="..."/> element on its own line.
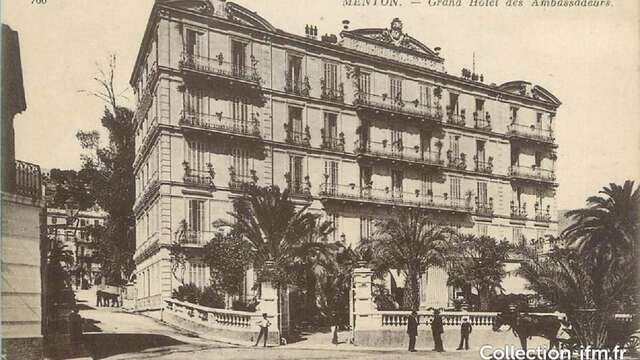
<point x="320" y="179"/>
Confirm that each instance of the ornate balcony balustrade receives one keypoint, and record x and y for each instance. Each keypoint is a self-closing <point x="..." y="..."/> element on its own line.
<point x="218" y="122"/>
<point x="28" y="180"/>
<point x="331" y="94"/>
<point x="384" y="103"/>
<point x="197" y="237"/>
<point x="519" y="211"/>
<point x="332" y="143"/>
<point x="394" y="197"/>
<point x="457" y="119"/>
<point x="484" y="208"/>
<point x="219" y="67"/>
<point x="300" y="138"/>
<point x="298" y="187"/>
<point x="532" y="173"/>
<point x="530" y="133"/>
<point x="482" y="121"/>
<point x="456" y="162"/>
<point x="299" y="87"/>
<point x="399" y="152"/>
<point x="543" y="215"/>
<point x="198" y="176"/>
<point x="240" y="182"/>
<point x="485" y="167"/>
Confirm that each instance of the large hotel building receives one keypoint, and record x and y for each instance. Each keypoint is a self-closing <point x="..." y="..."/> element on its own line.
<point x="355" y="125"/>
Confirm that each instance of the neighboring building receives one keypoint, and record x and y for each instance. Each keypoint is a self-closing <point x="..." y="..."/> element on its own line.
<point x="22" y="211"/>
<point x="355" y="125"/>
<point x="74" y="232"/>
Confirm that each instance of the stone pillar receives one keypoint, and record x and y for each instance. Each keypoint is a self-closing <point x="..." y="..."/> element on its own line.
<point x="363" y="305"/>
<point x="268" y="303"/>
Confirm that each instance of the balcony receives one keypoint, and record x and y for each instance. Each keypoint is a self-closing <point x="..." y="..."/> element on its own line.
<point x="28" y="180"/>
<point x="385" y="150"/>
<point x="298" y="187"/>
<point x="482" y="120"/>
<point x="197" y="237"/>
<point x="331" y="94"/>
<point x="199" y="177"/>
<point x="394" y="197"/>
<point x="456" y="119"/>
<point x="219" y="69"/>
<point x="517" y="131"/>
<point x="241" y="182"/>
<point x="532" y="173"/>
<point x="332" y="143"/>
<point x="458" y="162"/>
<point x="542" y="215"/>
<point x="387" y="105"/>
<point x="221" y="124"/>
<point x="298" y="88"/>
<point x="484" y="209"/>
<point x="484" y="167"/>
<point x="298" y="138"/>
<point x="519" y="211"/>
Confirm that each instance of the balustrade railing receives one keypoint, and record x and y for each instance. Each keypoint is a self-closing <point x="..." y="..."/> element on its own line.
<point x="240" y="182"/>
<point x="294" y="137"/>
<point x="333" y="143"/>
<point x="482" y="120"/>
<point x="395" y="197"/>
<point x="519" y="212"/>
<point x="28" y="180"/>
<point x="398" y="105"/>
<point x="198" y="177"/>
<point x="250" y="127"/>
<point x="211" y="317"/>
<point x="197" y="237"/>
<point x="485" y="167"/>
<point x="532" y="172"/>
<point x="218" y="66"/>
<point x="484" y="209"/>
<point x="458" y="119"/>
<point x="398" y="151"/>
<point x="530" y="132"/>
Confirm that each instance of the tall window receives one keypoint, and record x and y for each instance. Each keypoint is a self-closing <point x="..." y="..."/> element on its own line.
<point x="364" y="82"/>
<point x="331" y="76"/>
<point x="238" y="56"/>
<point x="196" y="215"/>
<point x="365" y="132"/>
<point x="483" y="230"/>
<point x="513" y="111"/>
<point x="518" y="237"/>
<point x="425" y="95"/>
<point x="515" y="156"/>
<point x="539" y="121"/>
<point x="480" y="107"/>
<point x="482" y="193"/>
<point x="480" y="153"/>
<point x="396" y="140"/>
<point x="538" y="159"/>
<point x="295" y="171"/>
<point x="241" y="163"/>
<point x="540" y="200"/>
<point x="240" y="109"/>
<point x="195" y="103"/>
<point x="425" y="143"/>
<point x="196" y="155"/>
<point x="365" y="176"/>
<point x="517" y="196"/>
<point x="295" y="122"/>
<point x="198" y="274"/>
<point x="454" y="106"/>
<point x="397" y="178"/>
<point x="331" y="169"/>
<point x="366" y="227"/>
<point x="455" y="188"/>
<point x="192" y="42"/>
<point x="395" y="89"/>
<point x="335" y="221"/>
<point x="294" y="71"/>
<point x="426" y="185"/>
<point x="454" y="145"/>
<point x="330" y="126"/>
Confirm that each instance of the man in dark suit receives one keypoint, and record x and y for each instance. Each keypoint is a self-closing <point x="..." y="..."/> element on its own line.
<point x="412" y="330"/>
<point x="437" y="329"/>
<point x="465" y="330"/>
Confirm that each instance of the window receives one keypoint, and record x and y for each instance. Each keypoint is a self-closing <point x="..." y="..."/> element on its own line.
<point x="335" y="221"/>
<point x="480" y="153"/>
<point x="538" y="158"/>
<point x="331" y="76"/>
<point x="331" y="169"/>
<point x="396" y="183"/>
<point x="454" y="145"/>
<point x="241" y="163"/>
<point x="482" y="193"/>
<point x="425" y="144"/>
<point x="54" y="220"/>
<point x="196" y="156"/>
<point x="330" y="126"/>
<point x="198" y="274"/>
<point x="295" y="171"/>
<point x="454" y="187"/>
<point x="480" y="107"/>
<point x="425" y="95"/>
<point x="295" y="122"/>
<point x="364" y="83"/>
<point x="238" y="55"/>
<point x="196" y="215"/>
<point x="454" y="107"/>
<point x="395" y="89"/>
<point x="515" y="156"/>
<point x="240" y="109"/>
<point x="365" y="176"/>
<point x="194" y="102"/>
<point x="483" y="230"/>
<point x="396" y="140"/>
<point x="426" y="185"/>
<point x="294" y="72"/>
<point x="514" y="114"/>
<point x="517" y="193"/>
<point x="365" y="132"/>
<point x="517" y="236"/>
<point x="539" y="121"/>
<point x="539" y="201"/>
<point x="366" y="227"/>
<point x="83" y="222"/>
<point x="192" y="42"/>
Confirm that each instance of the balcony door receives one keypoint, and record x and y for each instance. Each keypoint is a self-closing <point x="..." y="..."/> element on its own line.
<point x="196" y="156"/>
<point x="295" y="123"/>
<point x="425" y="95"/>
<point x="397" y="178"/>
<point x="195" y="217"/>
<point x="242" y="163"/>
<point x="194" y="103"/>
<point x="240" y="112"/>
<point x="365" y="176"/>
<point x="454" y="104"/>
<point x="296" y="172"/>
<point x="425" y="144"/>
<point x="454" y="146"/>
<point x="192" y="43"/>
<point x="330" y="77"/>
<point x="364" y="83"/>
<point x="330" y="126"/>
<point x="480" y="152"/>
<point x="395" y="89"/>
<point x="396" y="141"/>
<point x="332" y="171"/>
<point x="455" y="188"/>
<point x="294" y="72"/>
<point x="482" y="193"/>
<point x="365" y="133"/>
<point x="238" y="56"/>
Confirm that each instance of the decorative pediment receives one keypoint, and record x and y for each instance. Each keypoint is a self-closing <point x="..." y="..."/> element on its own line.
<point x="242" y="15"/>
<point x="201" y="6"/>
<point x="525" y="88"/>
<point x="221" y="8"/>
<point x="394" y="37"/>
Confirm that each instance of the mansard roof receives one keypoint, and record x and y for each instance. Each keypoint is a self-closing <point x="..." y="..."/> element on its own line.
<point x="525" y="88"/>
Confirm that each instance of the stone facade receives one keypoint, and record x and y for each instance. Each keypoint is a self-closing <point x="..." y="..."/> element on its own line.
<point x="355" y="125"/>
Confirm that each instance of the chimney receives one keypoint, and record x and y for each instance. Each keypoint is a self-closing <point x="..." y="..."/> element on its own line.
<point x="345" y="24"/>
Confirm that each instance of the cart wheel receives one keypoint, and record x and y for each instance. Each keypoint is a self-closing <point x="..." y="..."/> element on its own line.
<point x="633" y="344"/>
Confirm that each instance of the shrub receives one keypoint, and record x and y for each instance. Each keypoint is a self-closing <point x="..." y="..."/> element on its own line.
<point x="383" y="299"/>
<point x="240" y="305"/>
<point x="210" y="297"/>
<point x="189" y="293"/>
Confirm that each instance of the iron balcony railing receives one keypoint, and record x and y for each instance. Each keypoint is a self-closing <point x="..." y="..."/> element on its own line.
<point x="530" y="132"/>
<point x="333" y="143"/>
<point x="532" y="173"/>
<point x="482" y="120"/>
<point x="28" y="180"/>
<point x="485" y="167"/>
<point x="458" y="119"/>
<point x="217" y="66"/>
<point x="390" y="196"/>
<point x="398" y="151"/>
<point x="198" y="177"/>
<point x="399" y="106"/>
<point x="240" y="182"/>
<point x="484" y="209"/>
<point x="293" y="137"/>
<point x="519" y="211"/>
<point x="220" y="122"/>
<point x="542" y="214"/>
<point x="330" y="93"/>
<point x="197" y="237"/>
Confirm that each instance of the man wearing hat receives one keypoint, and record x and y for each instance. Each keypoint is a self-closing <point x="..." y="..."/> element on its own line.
<point x="437" y="329"/>
<point x="412" y="330"/>
<point x="465" y="330"/>
<point x="264" y="324"/>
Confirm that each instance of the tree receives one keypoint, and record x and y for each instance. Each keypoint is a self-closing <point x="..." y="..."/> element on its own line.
<point x="109" y="173"/>
<point x="65" y="185"/>
<point x="228" y="257"/>
<point x="608" y="231"/>
<point x="477" y="263"/>
<point x="408" y="242"/>
<point x="293" y="239"/>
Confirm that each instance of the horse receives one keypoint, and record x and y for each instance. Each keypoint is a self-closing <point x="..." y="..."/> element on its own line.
<point x="525" y="326"/>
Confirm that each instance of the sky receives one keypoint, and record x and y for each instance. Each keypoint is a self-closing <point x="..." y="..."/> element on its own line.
<point x="587" y="57"/>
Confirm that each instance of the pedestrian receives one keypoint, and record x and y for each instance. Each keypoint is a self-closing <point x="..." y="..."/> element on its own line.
<point x="412" y="330"/>
<point x="264" y="324"/>
<point x="465" y="331"/>
<point x="334" y="328"/>
<point x="436" y="330"/>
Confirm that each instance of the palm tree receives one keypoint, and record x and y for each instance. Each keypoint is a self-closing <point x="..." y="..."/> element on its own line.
<point x="291" y="238"/>
<point x="408" y="242"/>
<point x="477" y="263"/>
<point x="608" y="229"/>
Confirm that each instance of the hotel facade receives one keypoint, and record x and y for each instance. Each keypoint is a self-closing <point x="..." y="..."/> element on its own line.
<point x="355" y="125"/>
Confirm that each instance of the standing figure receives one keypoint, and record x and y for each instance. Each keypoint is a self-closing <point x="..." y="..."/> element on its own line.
<point x="465" y="331"/>
<point x="334" y="328"/>
<point x="437" y="329"/>
<point x="412" y="330"/>
<point x="264" y="324"/>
